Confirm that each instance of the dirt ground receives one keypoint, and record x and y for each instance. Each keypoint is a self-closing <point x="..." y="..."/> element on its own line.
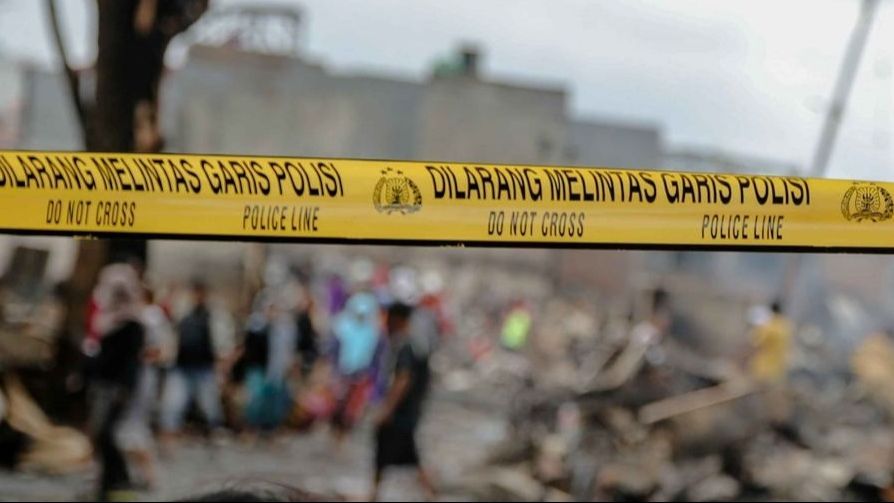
<point x="456" y="435"/>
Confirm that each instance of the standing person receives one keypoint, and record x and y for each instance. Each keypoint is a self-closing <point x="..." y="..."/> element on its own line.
<point x="771" y="340"/>
<point x="337" y="294"/>
<point x="115" y="374"/>
<point x="135" y="433"/>
<point x="202" y="343"/>
<point x="357" y="346"/>
<point x="275" y="400"/>
<point x="117" y="273"/>
<point x="307" y="344"/>
<point x="516" y="327"/>
<point x="426" y="325"/>
<point x="398" y="419"/>
<point x="268" y="358"/>
<point x="255" y="354"/>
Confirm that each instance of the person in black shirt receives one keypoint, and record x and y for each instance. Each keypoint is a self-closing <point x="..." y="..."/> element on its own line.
<point x="307" y="346"/>
<point x="399" y="417"/>
<point x="194" y="374"/>
<point x="114" y="381"/>
<point x="255" y="360"/>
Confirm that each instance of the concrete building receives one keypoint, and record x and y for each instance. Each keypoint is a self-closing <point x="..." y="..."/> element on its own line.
<point x="11" y="94"/>
<point x="466" y="118"/>
<point x="601" y="142"/>
<point x="48" y="119"/>
<point x="229" y="101"/>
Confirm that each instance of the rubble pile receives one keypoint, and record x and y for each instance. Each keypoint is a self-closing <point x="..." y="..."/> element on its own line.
<point x="668" y="434"/>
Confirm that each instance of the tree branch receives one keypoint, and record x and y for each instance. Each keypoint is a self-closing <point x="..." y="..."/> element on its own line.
<point x="70" y="74"/>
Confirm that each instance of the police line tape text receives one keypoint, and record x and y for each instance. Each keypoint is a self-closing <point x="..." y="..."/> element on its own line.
<point x="90" y="213"/>
<point x="171" y="174"/>
<point x="553" y="224"/>
<point x="280" y="218"/>
<point x="741" y="227"/>
<point x="527" y="183"/>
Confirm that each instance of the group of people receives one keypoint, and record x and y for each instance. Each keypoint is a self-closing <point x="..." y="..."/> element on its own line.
<point x="140" y="361"/>
<point x="149" y="362"/>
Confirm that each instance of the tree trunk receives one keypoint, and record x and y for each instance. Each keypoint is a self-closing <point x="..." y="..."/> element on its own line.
<point x="129" y="65"/>
<point x="115" y="97"/>
<point x="132" y="38"/>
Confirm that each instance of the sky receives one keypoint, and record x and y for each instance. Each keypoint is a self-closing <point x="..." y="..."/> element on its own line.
<point x="746" y="76"/>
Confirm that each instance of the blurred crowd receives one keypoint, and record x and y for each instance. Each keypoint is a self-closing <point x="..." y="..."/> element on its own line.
<point x="175" y="361"/>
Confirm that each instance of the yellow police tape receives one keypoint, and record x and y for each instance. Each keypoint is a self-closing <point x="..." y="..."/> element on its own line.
<point x="344" y="200"/>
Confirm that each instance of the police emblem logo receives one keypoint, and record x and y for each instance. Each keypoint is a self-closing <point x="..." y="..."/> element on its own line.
<point x="867" y="201"/>
<point x="395" y="192"/>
